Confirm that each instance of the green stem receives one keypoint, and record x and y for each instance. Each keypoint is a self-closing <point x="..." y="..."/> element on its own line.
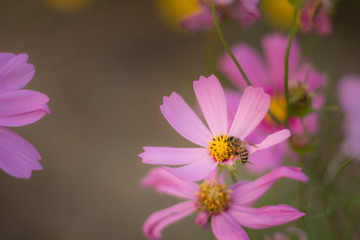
<point x="233" y="179"/>
<point x="286" y="63"/>
<point x="225" y="44"/>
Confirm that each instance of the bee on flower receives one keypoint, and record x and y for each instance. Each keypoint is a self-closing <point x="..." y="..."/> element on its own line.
<point x="215" y="148"/>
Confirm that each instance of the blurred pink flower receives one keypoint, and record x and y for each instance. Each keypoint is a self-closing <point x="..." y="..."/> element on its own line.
<point x="349" y="97"/>
<point x="228" y="209"/>
<point x="316" y="14"/>
<point x="304" y="85"/>
<point x="246" y="12"/>
<point x="216" y="148"/>
<point x="18" y="107"/>
<point x="290" y="232"/>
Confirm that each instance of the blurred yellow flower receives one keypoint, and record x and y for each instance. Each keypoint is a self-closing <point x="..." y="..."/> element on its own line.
<point x="172" y="12"/>
<point x="70" y="6"/>
<point x="277" y="13"/>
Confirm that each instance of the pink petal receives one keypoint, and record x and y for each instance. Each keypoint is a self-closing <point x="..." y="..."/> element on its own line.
<point x="232" y="101"/>
<point x="251" y="63"/>
<point x="323" y="23"/>
<point x="210" y="96"/>
<point x="199" y="21"/>
<point x="17" y="156"/>
<point x="274" y="49"/>
<point x="202" y="219"/>
<point x="253" y="107"/>
<point x="22" y="107"/>
<point x="213" y="176"/>
<point x="225" y="227"/>
<point x="157" y="221"/>
<point x="248" y="193"/>
<point x="173" y="156"/>
<point x="264" y="217"/>
<point x="164" y="182"/>
<point x="15" y="72"/>
<point x="184" y="120"/>
<point x="194" y="171"/>
<point x="271" y="140"/>
<point x="246" y="12"/>
<point x="314" y="79"/>
<point x="267" y="159"/>
<point x="349" y="97"/>
<point x="311" y="123"/>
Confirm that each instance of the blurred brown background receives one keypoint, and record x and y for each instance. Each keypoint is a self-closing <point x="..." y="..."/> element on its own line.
<point x="106" y="69"/>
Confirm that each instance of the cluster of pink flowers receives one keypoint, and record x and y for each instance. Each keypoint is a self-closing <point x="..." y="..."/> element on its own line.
<point x="314" y="14"/>
<point x="305" y="84"/>
<point x="227" y="208"/>
<point x="18" y="107"/>
<point x="266" y="120"/>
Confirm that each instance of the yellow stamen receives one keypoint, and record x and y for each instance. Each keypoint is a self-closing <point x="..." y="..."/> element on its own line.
<point x="213" y="197"/>
<point x="220" y="148"/>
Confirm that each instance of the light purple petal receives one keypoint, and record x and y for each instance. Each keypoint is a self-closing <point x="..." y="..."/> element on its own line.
<point x="213" y="176"/>
<point x="232" y="101"/>
<point x="202" y="219"/>
<point x="323" y="23"/>
<point x="173" y="156"/>
<point x="17" y="156"/>
<point x="22" y="107"/>
<point x="194" y="171"/>
<point x="251" y="63"/>
<point x="157" y="221"/>
<point x="274" y="49"/>
<point x="315" y="79"/>
<point x="210" y="96"/>
<point x="264" y="217"/>
<point x="271" y="140"/>
<point x="184" y="120"/>
<point x="199" y="21"/>
<point x="246" y="12"/>
<point x="253" y="107"/>
<point x="226" y="228"/>
<point x="164" y="182"/>
<point x="248" y="193"/>
<point x="267" y="159"/>
<point x="15" y="72"/>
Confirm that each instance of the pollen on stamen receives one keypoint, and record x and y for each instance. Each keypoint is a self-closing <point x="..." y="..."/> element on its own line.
<point x="213" y="197"/>
<point x="220" y="148"/>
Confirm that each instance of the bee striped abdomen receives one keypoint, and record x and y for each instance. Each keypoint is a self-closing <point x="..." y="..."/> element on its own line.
<point x="243" y="153"/>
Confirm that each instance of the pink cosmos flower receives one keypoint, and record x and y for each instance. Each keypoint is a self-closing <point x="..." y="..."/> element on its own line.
<point x="268" y="73"/>
<point x="349" y="96"/>
<point x="246" y="12"/>
<point x="228" y="209"/>
<point x="18" y="107"/>
<point x="315" y="14"/>
<point x="216" y="143"/>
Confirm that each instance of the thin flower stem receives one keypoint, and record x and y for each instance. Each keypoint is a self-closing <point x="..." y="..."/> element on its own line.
<point x="226" y="45"/>
<point x="233" y="178"/>
<point x="286" y="63"/>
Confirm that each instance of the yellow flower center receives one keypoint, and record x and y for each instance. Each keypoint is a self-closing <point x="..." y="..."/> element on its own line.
<point x="221" y="149"/>
<point x="277" y="109"/>
<point x="213" y="197"/>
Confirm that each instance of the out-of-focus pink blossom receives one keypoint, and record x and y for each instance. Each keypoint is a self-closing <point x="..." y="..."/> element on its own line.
<point x="215" y="141"/>
<point x="246" y="12"/>
<point x="291" y="231"/>
<point x="315" y="14"/>
<point x="268" y="73"/>
<point x="228" y="209"/>
<point x="349" y="97"/>
<point x="18" y="107"/>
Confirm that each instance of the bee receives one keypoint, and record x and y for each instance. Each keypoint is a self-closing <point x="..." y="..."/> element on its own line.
<point x="240" y="149"/>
